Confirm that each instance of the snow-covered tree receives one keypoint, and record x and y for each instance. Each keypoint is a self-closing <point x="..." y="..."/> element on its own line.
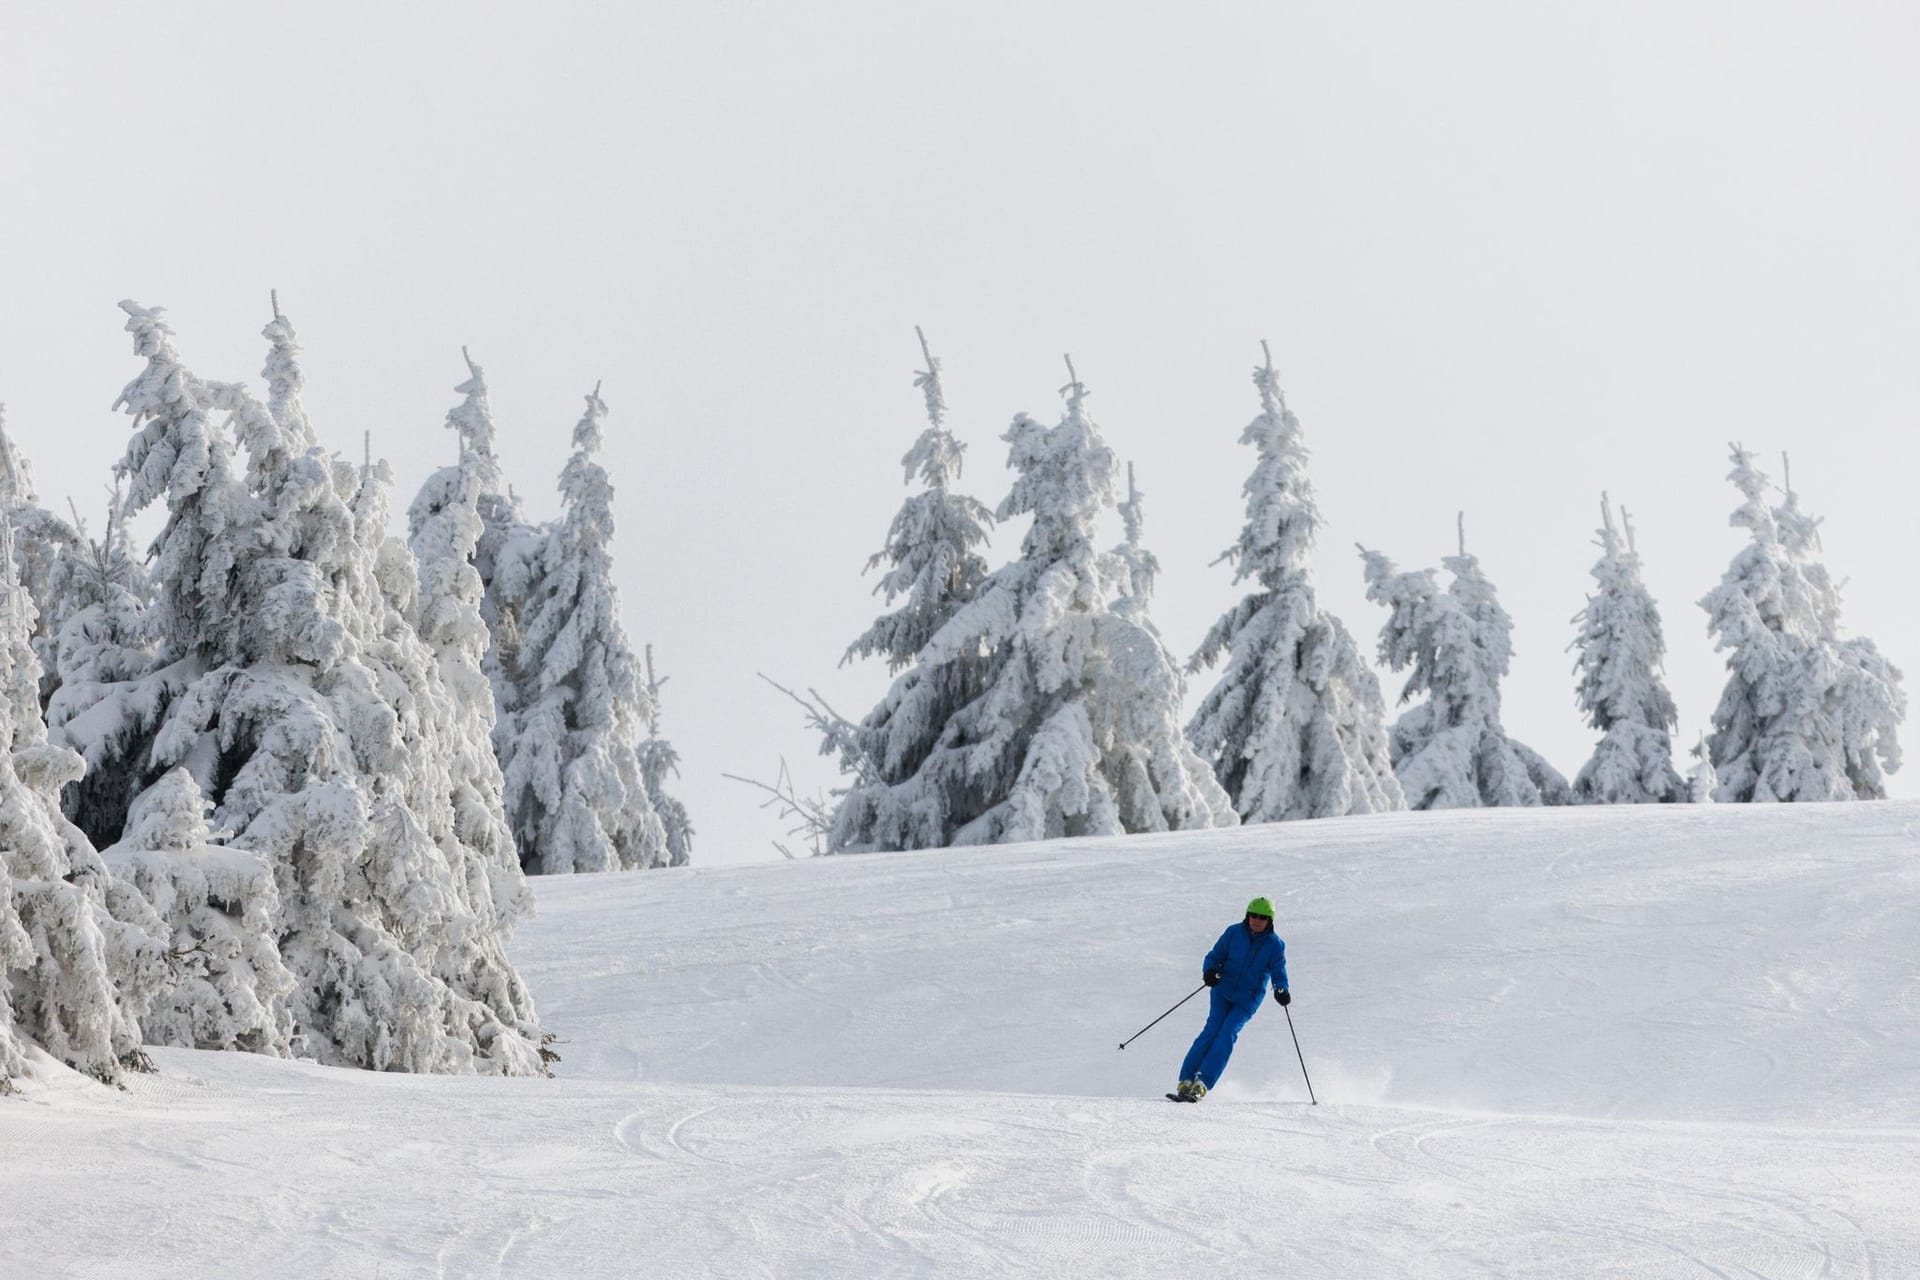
<point x="291" y="686"/>
<point x="1066" y="711"/>
<point x="75" y="974"/>
<point x="658" y="762"/>
<point x="226" y="987"/>
<point x="932" y="550"/>
<point x="445" y="530"/>
<point x="1296" y="726"/>
<point x="45" y="548"/>
<point x="511" y="549"/>
<point x="1451" y="752"/>
<point x="1139" y="567"/>
<point x="111" y="684"/>
<point x="435" y="824"/>
<point x="1701" y="782"/>
<point x="1806" y="714"/>
<point x="932" y="547"/>
<point x="575" y="795"/>
<point x="1158" y="779"/>
<point x="1621" y="691"/>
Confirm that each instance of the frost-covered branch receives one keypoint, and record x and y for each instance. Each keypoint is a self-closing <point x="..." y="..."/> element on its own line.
<point x="811" y="816"/>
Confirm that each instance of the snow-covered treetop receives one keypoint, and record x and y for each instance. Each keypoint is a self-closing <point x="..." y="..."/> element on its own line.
<point x="1406" y="596"/>
<point x="445" y="527"/>
<point x="1759" y="592"/>
<point x="584" y="482"/>
<point x="1456" y="644"/>
<point x="285" y="380"/>
<point x="1143" y="567"/>
<point x="175" y="448"/>
<point x="584" y="626"/>
<point x="177" y="453"/>
<point x="1620" y="642"/>
<point x="658" y="762"/>
<point x="104" y="570"/>
<point x="16" y="473"/>
<point x="1066" y="477"/>
<point x="1492" y="626"/>
<point x="45" y="544"/>
<point x="931" y="543"/>
<point x="936" y="455"/>
<point x="1814" y="591"/>
<point x="472" y="420"/>
<point x="1276" y="543"/>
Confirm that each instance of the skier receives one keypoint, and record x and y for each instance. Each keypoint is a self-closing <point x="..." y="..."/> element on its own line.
<point x="1238" y="968"/>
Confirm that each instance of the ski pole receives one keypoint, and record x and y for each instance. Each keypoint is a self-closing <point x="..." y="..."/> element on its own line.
<point x="1156" y="1022"/>
<point x="1296" y="1053"/>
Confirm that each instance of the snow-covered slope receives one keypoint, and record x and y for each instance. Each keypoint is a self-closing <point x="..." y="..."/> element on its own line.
<point x="1675" y="1041"/>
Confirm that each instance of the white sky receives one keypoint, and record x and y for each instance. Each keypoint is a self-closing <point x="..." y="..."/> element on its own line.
<point x="1507" y="255"/>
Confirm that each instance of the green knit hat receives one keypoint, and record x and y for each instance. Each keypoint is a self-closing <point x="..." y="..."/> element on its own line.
<point x="1260" y="907"/>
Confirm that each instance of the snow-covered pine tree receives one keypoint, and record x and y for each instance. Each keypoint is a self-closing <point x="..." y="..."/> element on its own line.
<point x="932" y="550"/>
<point x="1135" y="708"/>
<point x="658" y="762"/>
<point x="226" y="987"/>
<point x="307" y="710"/>
<point x="424" y="814"/>
<point x="1296" y="726"/>
<point x="575" y="795"/>
<point x="1451" y="752"/>
<point x="1621" y="691"/>
<point x="1139" y="567"/>
<point x="1862" y="689"/>
<point x="46" y="548"/>
<point x="1805" y="715"/>
<point x="509" y="554"/>
<point x="111" y="684"/>
<point x="1493" y="639"/>
<point x="445" y="530"/>
<point x="75" y="974"/>
<point x="1067" y="712"/>
<point x="431" y="820"/>
<point x="932" y="546"/>
<point x="1701" y="782"/>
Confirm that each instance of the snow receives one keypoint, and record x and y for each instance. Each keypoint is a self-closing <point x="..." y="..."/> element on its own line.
<point x="1633" y="1040"/>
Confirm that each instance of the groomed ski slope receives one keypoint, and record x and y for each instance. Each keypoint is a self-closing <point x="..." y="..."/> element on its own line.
<point x="1615" y="1042"/>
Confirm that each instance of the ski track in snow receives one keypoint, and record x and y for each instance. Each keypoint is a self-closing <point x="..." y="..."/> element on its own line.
<point x="1663" y="1042"/>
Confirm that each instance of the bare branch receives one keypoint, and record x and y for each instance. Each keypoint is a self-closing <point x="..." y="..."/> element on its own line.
<point x="836" y="731"/>
<point x="812" y="816"/>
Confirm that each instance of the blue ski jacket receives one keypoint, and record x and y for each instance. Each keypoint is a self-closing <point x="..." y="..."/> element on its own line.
<point x="1246" y="961"/>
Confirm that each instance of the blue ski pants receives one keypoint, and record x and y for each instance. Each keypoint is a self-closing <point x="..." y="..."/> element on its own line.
<point x="1214" y="1045"/>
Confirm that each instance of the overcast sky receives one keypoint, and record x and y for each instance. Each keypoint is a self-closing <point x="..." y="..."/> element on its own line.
<point x="1507" y="255"/>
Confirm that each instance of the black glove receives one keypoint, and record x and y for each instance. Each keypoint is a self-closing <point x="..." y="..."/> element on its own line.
<point x="1280" y="996"/>
<point x="1211" y="977"/>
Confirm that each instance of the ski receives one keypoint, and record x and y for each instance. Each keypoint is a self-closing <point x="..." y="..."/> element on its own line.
<point x="1174" y="1097"/>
